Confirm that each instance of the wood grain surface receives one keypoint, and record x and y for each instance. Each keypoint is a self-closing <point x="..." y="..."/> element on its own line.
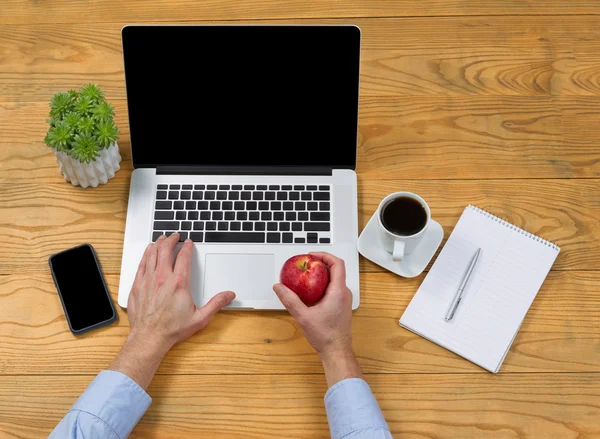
<point x="484" y="102"/>
<point x="471" y="406"/>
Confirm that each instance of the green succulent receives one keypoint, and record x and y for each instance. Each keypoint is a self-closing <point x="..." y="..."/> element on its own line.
<point x="93" y="93"/>
<point x="85" y="148"/>
<point x="59" y="136"/>
<point x="103" y="111"/>
<point x="81" y="123"/>
<point x="107" y="133"/>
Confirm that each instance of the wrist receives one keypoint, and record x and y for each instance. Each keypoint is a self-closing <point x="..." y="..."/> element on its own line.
<point x="150" y="347"/>
<point x="340" y="365"/>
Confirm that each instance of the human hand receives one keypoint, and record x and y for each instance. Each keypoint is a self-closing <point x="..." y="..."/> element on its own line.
<point x="327" y="325"/>
<point x="160" y="305"/>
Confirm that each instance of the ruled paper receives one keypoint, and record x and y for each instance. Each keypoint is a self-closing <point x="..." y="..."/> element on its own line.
<point x="510" y="270"/>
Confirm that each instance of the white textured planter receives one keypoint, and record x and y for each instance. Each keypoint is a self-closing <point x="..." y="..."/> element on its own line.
<point x="90" y="174"/>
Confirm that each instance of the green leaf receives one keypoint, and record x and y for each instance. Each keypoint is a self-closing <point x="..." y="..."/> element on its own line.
<point x="92" y="92"/>
<point x="86" y="125"/>
<point x="85" y="148"/>
<point x="84" y="105"/>
<point x="107" y="133"/>
<point x="74" y="94"/>
<point x="60" y="104"/>
<point x="104" y="111"/>
<point x="59" y="137"/>
<point x="72" y="120"/>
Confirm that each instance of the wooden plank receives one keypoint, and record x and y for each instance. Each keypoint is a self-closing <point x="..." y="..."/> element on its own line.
<point x="415" y="406"/>
<point x="41" y="219"/>
<point x="559" y="334"/>
<point x="73" y="11"/>
<point x="466" y="137"/>
<point x="451" y="56"/>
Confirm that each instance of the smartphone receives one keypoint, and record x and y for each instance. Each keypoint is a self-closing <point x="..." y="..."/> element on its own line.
<point x="82" y="289"/>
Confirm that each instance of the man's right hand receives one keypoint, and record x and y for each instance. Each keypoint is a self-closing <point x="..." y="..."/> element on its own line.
<point x="327" y="325"/>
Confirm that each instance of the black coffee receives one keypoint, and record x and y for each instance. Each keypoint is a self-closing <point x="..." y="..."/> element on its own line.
<point x="404" y="216"/>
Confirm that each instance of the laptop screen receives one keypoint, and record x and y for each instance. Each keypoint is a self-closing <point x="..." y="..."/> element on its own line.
<point x="242" y="95"/>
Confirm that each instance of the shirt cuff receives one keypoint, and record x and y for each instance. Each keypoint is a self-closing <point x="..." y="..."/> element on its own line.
<point x="115" y="399"/>
<point x="351" y="406"/>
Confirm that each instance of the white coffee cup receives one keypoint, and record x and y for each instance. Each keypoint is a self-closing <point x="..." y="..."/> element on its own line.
<point x="400" y="245"/>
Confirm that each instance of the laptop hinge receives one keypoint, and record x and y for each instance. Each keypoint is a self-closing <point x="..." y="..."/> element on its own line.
<point x="243" y="170"/>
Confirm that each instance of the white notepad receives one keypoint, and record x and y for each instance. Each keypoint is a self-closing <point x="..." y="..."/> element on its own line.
<point x="510" y="270"/>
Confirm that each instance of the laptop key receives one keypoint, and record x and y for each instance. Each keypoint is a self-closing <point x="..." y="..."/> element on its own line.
<point x="273" y="238"/>
<point x="323" y="188"/>
<point x="193" y="215"/>
<point x="311" y="188"/>
<point x="199" y="187"/>
<point x="257" y="196"/>
<point x="202" y="205"/>
<point x="161" y="195"/>
<point x="288" y="205"/>
<point x="282" y="196"/>
<point x="251" y="205"/>
<point x="215" y="205"/>
<point x="173" y="195"/>
<point x="227" y="205"/>
<point x="311" y="238"/>
<point x="236" y="187"/>
<point x="243" y="237"/>
<point x="287" y="238"/>
<point x="217" y="216"/>
<point x="221" y="195"/>
<point x="230" y="216"/>
<point x="242" y="216"/>
<point x="253" y="216"/>
<point x="178" y="205"/>
<point x="269" y="196"/>
<point x="246" y="195"/>
<point x="273" y="187"/>
<point x="163" y="204"/>
<point x="260" y="226"/>
<point x="247" y="226"/>
<point x="196" y="236"/>
<point x="166" y="225"/>
<point x="181" y="215"/>
<point x="156" y="235"/>
<point x="212" y="187"/>
<point x="319" y="216"/>
<point x="209" y="195"/>
<point x="223" y="226"/>
<point x="275" y="205"/>
<point x="238" y="205"/>
<point x="298" y="187"/>
<point x="271" y="226"/>
<point x="265" y="216"/>
<point x="211" y="225"/>
<point x="190" y="205"/>
<point x="321" y="196"/>
<point x="297" y="227"/>
<point x="306" y="196"/>
<point x="224" y="187"/>
<point x="300" y="205"/>
<point x="299" y="240"/>
<point x="290" y="216"/>
<point x="324" y="240"/>
<point x="302" y="216"/>
<point x="186" y="225"/>
<point x="164" y="215"/>
<point x="286" y="188"/>
<point x="263" y="205"/>
<point x="312" y="206"/>
<point x="261" y="187"/>
<point x="284" y="227"/>
<point x="197" y="195"/>
<point x="294" y="196"/>
<point x="278" y="216"/>
<point x="324" y="205"/>
<point x="187" y="186"/>
<point x="205" y="215"/>
<point x="162" y="186"/>
<point x="316" y="227"/>
<point x="183" y="236"/>
<point x="185" y="195"/>
<point x="235" y="225"/>
<point x="234" y="196"/>
<point x="249" y="187"/>
<point x="174" y="186"/>
<point x="198" y="225"/>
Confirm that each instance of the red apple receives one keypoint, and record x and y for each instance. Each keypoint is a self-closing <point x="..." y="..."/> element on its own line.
<point x="306" y="276"/>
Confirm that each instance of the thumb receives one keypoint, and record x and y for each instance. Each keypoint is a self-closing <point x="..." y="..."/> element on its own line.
<point x="290" y="300"/>
<point x="214" y="305"/>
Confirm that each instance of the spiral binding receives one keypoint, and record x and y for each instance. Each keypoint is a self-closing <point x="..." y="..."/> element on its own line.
<point x="513" y="227"/>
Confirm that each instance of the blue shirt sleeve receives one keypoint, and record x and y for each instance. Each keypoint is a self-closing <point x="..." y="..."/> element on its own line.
<point x="353" y="413"/>
<point x="109" y="409"/>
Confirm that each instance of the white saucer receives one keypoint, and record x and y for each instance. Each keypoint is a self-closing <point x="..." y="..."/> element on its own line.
<point x="369" y="245"/>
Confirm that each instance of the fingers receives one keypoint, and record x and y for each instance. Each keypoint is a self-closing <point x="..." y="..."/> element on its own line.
<point x="152" y="250"/>
<point x="290" y="300"/>
<point x="164" y="259"/>
<point x="183" y="262"/>
<point x="337" y="267"/>
<point x="204" y="314"/>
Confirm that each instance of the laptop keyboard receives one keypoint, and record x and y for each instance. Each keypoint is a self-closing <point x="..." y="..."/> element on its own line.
<point x="257" y="214"/>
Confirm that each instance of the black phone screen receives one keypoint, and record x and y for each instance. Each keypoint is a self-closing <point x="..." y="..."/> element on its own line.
<point x="84" y="294"/>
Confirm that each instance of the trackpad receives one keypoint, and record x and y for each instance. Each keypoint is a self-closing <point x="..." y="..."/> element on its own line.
<point x="250" y="276"/>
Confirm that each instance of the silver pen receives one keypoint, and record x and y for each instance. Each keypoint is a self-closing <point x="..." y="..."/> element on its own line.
<point x="463" y="283"/>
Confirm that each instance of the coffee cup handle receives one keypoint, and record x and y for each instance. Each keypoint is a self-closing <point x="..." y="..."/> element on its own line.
<point x="398" y="253"/>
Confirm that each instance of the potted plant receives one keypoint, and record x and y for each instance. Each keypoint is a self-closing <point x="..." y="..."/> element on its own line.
<point x="83" y="136"/>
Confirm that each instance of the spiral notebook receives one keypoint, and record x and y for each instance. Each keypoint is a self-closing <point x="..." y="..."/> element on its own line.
<point x="511" y="268"/>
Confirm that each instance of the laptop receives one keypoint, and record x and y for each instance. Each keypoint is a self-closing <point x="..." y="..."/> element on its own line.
<point x="243" y="139"/>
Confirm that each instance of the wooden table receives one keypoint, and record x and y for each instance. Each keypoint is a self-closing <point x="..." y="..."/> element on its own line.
<point x="495" y="103"/>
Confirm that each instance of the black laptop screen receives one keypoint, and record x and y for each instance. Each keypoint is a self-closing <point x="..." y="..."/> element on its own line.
<point x="242" y="95"/>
